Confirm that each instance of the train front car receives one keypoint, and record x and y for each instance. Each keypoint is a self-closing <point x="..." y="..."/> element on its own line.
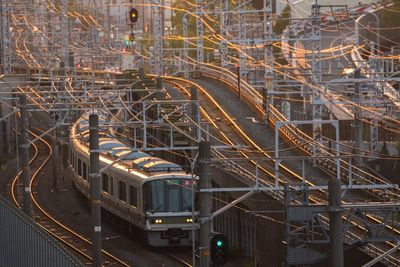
<point x="167" y="204"/>
<point x="150" y="193"/>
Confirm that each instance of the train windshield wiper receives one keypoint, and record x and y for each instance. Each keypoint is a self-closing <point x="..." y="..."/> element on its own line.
<point x="156" y="209"/>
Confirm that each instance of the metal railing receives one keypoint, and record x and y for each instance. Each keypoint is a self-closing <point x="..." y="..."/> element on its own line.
<point x="23" y="243"/>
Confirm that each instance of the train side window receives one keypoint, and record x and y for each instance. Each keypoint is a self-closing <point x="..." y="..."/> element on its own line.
<point x="105" y="182"/>
<point x="111" y="185"/>
<point x="133" y="196"/>
<point x="85" y="171"/>
<point x="79" y="167"/>
<point x="122" y="191"/>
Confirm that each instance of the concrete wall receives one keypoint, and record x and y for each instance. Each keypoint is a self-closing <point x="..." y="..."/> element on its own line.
<point x="249" y="236"/>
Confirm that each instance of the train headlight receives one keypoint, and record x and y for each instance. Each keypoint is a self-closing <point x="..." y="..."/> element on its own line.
<point x="157" y="221"/>
<point x="189" y="220"/>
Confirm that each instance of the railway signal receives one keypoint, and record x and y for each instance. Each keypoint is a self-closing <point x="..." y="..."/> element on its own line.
<point x="133" y="15"/>
<point x="131" y="37"/>
<point x="219" y="249"/>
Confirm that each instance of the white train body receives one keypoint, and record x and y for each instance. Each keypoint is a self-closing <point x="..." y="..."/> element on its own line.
<point x="148" y="192"/>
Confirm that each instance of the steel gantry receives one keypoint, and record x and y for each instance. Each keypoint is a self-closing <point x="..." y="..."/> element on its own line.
<point x="242" y="35"/>
<point x="5" y="36"/>
<point x="64" y="31"/>
<point x="185" y="46"/>
<point x="199" y="32"/>
<point x="158" y="33"/>
<point x="224" y="7"/>
<point x="316" y="101"/>
<point x="268" y="57"/>
<point x="139" y="36"/>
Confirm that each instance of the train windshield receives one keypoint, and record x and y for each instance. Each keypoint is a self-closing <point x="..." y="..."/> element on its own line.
<point x="168" y="195"/>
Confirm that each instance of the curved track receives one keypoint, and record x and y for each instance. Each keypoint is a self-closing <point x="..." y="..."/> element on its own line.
<point x="358" y="229"/>
<point x="70" y="238"/>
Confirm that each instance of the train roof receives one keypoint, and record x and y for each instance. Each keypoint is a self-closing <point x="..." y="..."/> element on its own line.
<point x="135" y="162"/>
<point x="108" y="143"/>
<point x="131" y="155"/>
<point x="113" y="151"/>
<point x="154" y="164"/>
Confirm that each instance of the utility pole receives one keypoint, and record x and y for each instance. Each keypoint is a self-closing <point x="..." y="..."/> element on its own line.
<point x="94" y="177"/>
<point x="335" y="223"/>
<point x="27" y="204"/>
<point x="205" y="203"/>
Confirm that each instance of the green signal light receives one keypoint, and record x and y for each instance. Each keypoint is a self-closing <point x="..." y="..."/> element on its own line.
<point x="219" y="243"/>
<point x="126" y="42"/>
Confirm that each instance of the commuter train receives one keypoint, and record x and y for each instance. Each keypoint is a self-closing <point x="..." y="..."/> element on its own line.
<point x="148" y="192"/>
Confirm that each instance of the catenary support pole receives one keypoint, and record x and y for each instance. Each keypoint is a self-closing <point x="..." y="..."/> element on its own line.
<point x="94" y="177"/>
<point x="27" y="204"/>
<point x="55" y="156"/>
<point x="358" y="125"/>
<point x="141" y="73"/>
<point x="205" y="203"/>
<point x="195" y="113"/>
<point x="238" y="79"/>
<point x="159" y="86"/>
<point x="335" y="223"/>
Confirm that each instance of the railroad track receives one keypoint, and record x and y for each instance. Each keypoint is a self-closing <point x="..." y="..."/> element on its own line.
<point x="358" y="230"/>
<point x="225" y="126"/>
<point x="181" y="257"/>
<point x="74" y="241"/>
<point x="350" y="175"/>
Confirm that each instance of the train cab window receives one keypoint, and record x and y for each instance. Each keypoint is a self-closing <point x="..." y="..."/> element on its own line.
<point x="133" y="196"/>
<point x="111" y="185"/>
<point x="79" y="167"/>
<point x="104" y="178"/>
<point x="122" y="191"/>
<point x="169" y="195"/>
<point x="85" y="171"/>
<point x="173" y="197"/>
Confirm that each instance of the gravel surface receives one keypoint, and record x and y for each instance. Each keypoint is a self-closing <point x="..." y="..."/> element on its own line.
<point x="263" y="135"/>
<point x="72" y="209"/>
<point x="7" y="172"/>
<point x="67" y="205"/>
